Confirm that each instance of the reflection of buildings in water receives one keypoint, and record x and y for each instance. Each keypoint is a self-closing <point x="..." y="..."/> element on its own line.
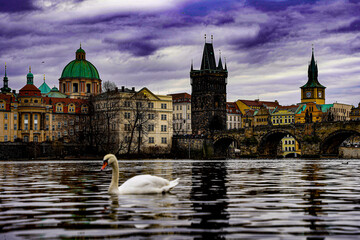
<point x="313" y="197"/>
<point x="209" y="199"/>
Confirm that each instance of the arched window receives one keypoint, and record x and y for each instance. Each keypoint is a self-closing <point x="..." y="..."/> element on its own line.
<point x="71" y="108"/>
<point x="2" y="104"/>
<point x="84" y="109"/>
<point x="59" y="107"/>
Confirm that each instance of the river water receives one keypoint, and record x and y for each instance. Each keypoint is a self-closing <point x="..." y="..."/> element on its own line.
<point x="230" y="199"/>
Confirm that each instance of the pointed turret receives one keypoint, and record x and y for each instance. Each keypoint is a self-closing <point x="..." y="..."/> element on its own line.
<point x="44" y="88"/>
<point x="313" y="74"/>
<point x="208" y="59"/>
<point x="220" y="66"/>
<point x="6" y="88"/>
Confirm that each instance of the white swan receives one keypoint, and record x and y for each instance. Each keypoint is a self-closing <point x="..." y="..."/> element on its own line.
<point x="141" y="184"/>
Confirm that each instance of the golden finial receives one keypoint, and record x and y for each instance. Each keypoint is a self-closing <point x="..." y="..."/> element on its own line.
<point x="44" y="77"/>
<point x="205" y="37"/>
<point x="80" y="44"/>
<point x="212" y="38"/>
<point x="29" y="68"/>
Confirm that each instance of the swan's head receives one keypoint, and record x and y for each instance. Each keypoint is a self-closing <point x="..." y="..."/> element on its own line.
<point x="109" y="159"/>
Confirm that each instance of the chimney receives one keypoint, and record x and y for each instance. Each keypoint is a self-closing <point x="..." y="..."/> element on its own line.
<point x="133" y="89"/>
<point x="116" y="89"/>
<point x="123" y="88"/>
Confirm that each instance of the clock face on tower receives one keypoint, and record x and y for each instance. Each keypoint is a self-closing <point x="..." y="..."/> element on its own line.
<point x="308" y="94"/>
<point x="320" y="94"/>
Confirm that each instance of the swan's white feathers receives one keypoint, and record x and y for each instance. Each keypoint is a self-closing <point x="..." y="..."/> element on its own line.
<point x="141" y="184"/>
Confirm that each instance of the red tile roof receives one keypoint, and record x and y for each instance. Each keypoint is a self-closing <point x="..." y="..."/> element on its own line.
<point x="180" y="97"/>
<point x="232" y="108"/>
<point x="29" y="90"/>
<point x="257" y="103"/>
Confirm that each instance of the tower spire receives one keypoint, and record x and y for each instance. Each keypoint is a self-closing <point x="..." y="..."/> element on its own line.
<point x="220" y="66"/>
<point x="44" y="77"/>
<point x="192" y="65"/>
<point x="6" y="88"/>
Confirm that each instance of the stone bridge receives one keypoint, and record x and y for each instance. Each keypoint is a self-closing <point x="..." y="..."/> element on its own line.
<point x="315" y="139"/>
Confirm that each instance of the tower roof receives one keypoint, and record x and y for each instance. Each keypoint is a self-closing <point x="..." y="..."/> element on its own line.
<point x="5" y="88"/>
<point x="208" y="59"/>
<point x="313" y="81"/>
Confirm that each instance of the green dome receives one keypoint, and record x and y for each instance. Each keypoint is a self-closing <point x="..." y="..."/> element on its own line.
<point x="30" y="75"/>
<point x="80" y="69"/>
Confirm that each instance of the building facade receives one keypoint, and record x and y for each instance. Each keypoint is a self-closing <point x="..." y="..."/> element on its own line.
<point x="134" y="121"/>
<point x="233" y="116"/>
<point x="208" y="96"/>
<point x="181" y="113"/>
<point x="355" y="113"/>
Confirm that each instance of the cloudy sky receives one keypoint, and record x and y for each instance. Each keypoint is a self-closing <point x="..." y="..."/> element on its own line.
<point x="267" y="43"/>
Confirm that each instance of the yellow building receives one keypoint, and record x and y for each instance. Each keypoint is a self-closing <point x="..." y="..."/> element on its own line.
<point x="256" y="104"/>
<point x="285" y="115"/>
<point x="262" y="116"/>
<point x="313" y="91"/>
<point x="311" y="112"/>
<point x="355" y="113"/>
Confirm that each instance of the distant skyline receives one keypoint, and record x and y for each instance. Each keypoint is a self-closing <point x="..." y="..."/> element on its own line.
<point x="267" y="43"/>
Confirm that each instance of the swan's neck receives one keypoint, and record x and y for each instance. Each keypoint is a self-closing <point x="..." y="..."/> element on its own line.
<point x="114" y="185"/>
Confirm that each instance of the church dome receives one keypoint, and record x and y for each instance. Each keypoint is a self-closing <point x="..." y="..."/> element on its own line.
<point x="80" y="68"/>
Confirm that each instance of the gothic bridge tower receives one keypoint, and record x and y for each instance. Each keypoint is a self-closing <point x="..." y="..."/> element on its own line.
<point x="208" y="97"/>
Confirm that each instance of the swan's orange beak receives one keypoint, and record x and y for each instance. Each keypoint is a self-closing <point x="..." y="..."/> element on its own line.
<point x="104" y="165"/>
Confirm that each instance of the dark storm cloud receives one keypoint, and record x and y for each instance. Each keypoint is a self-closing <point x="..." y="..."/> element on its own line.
<point x="13" y="6"/>
<point x="139" y="47"/>
<point x="276" y="5"/>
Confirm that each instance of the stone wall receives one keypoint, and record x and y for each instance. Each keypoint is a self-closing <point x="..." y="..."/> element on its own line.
<point x="349" y="152"/>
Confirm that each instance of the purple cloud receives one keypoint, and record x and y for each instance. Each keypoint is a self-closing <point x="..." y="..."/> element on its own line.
<point x="14" y="6"/>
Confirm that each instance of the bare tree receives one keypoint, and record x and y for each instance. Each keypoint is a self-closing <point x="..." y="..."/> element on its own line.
<point x="140" y="118"/>
<point x="108" y="86"/>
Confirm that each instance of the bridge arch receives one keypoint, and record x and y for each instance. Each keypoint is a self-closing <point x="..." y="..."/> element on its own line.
<point x="268" y="145"/>
<point x="222" y="143"/>
<point x="331" y="143"/>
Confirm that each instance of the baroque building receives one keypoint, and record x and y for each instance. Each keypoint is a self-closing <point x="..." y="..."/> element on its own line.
<point x="208" y="103"/>
<point x="313" y="91"/>
<point x="80" y="78"/>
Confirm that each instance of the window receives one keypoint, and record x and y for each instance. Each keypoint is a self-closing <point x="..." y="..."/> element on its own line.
<point x="163" y="128"/>
<point x="75" y="87"/>
<point x="15" y="116"/>
<point x="26" y="122"/>
<point x="2" y="105"/>
<point x="151" y="105"/>
<point x="164" y="140"/>
<point x="151" y="116"/>
<point x="151" y="127"/>
<point x="59" y="107"/>
<point x="47" y="117"/>
<point x="127" y="127"/>
<point x="138" y="104"/>
<point x="163" y="116"/>
<point x="88" y="88"/>
<point x="127" y="115"/>
<point x="35" y="122"/>
<point x="53" y="117"/>
<point x="15" y="126"/>
<point x="59" y="135"/>
<point x="26" y="138"/>
<point x="15" y="137"/>
<point x="47" y="138"/>
<point x="127" y="104"/>
<point x="65" y="133"/>
<point x="286" y="148"/>
<point x="6" y="116"/>
<point x="59" y="125"/>
<point x="36" y="138"/>
<point x="84" y="109"/>
<point x="151" y="140"/>
<point x="163" y="106"/>
<point x="53" y="138"/>
<point x="71" y="132"/>
<point x="5" y="138"/>
<point x="71" y="108"/>
<point x="65" y="123"/>
<point x="5" y="126"/>
<point x="53" y="127"/>
<point x="47" y="127"/>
